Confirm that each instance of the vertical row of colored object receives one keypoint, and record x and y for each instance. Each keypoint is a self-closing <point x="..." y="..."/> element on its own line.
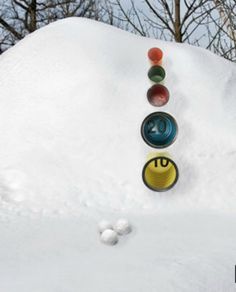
<point x="159" y="130"/>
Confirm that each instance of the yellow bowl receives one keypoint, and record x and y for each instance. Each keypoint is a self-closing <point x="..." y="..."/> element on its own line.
<point x="160" y="173"/>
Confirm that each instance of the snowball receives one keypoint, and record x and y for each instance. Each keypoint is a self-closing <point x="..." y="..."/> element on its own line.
<point x="122" y="227"/>
<point x="13" y="185"/>
<point x="103" y="225"/>
<point x="109" y="237"/>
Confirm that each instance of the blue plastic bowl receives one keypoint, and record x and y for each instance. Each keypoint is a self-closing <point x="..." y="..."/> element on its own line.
<point x="159" y="130"/>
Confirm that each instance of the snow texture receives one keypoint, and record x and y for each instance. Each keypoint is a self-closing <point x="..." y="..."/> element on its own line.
<point x="103" y="225"/>
<point x="72" y="100"/>
<point x="122" y="227"/>
<point x="109" y="237"/>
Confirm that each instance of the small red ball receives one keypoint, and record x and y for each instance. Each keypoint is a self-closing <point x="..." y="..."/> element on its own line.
<point x="155" y="55"/>
<point x="158" y="95"/>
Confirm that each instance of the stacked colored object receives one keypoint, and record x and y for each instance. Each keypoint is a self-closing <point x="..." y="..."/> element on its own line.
<point x="158" y="95"/>
<point x="160" y="173"/>
<point x="159" y="130"/>
<point x="155" y="56"/>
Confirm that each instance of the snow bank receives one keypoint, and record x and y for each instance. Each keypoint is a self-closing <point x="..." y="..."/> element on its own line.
<point x="72" y="100"/>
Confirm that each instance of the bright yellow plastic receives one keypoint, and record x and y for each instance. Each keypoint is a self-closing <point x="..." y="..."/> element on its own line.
<point x="160" y="173"/>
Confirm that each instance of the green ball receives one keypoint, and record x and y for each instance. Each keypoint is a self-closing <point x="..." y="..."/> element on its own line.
<point x="156" y="74"/>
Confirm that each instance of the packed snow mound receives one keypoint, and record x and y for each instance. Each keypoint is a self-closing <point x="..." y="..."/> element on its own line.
<point x="72" y="100"/>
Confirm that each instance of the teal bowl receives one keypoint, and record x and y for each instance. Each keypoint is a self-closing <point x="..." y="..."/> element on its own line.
<point x="159" y="130"/>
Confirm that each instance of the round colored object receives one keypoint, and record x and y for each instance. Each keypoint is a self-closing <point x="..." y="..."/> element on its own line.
<point x="156" y="74"/>
<point x="159" y="130"/>
<point x="158" y="95"/>
<point x="160" y="174"/>
<point x="155" y="55"/>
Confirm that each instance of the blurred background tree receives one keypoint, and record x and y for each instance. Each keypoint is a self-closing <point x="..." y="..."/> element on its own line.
<point x="210" y="24"/>
<point x="21" y="17"/>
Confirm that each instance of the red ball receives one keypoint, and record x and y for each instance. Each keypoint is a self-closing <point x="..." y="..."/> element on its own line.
<point x="158" y="95"/>
<point x="155" y="55"/>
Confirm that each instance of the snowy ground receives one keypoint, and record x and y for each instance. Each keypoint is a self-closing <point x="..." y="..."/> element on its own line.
<point x="72" y="100"/>
<point x="170" y="252"/>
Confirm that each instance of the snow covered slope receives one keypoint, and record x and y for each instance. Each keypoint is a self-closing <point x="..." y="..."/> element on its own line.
<point x="72" y="100"/>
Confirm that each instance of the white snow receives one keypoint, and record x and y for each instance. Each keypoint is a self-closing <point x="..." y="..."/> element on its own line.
<point x="103" y="225"/>
<point x="122" y="226"/>
<point x="109" y="237"/>
<point x="72" y="100"/>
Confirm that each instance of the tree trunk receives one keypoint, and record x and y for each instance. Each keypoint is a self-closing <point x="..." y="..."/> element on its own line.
<point x="177" y="23"/>
<point x="33" y="16"/>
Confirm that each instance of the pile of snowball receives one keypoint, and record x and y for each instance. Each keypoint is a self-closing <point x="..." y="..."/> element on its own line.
<point x="109" y="234"/>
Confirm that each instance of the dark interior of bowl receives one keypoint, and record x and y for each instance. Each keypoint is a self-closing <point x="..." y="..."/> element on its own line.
<point x="156" y="74"/>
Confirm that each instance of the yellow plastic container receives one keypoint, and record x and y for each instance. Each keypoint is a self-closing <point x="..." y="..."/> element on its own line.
<point x="160" y="173"/>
